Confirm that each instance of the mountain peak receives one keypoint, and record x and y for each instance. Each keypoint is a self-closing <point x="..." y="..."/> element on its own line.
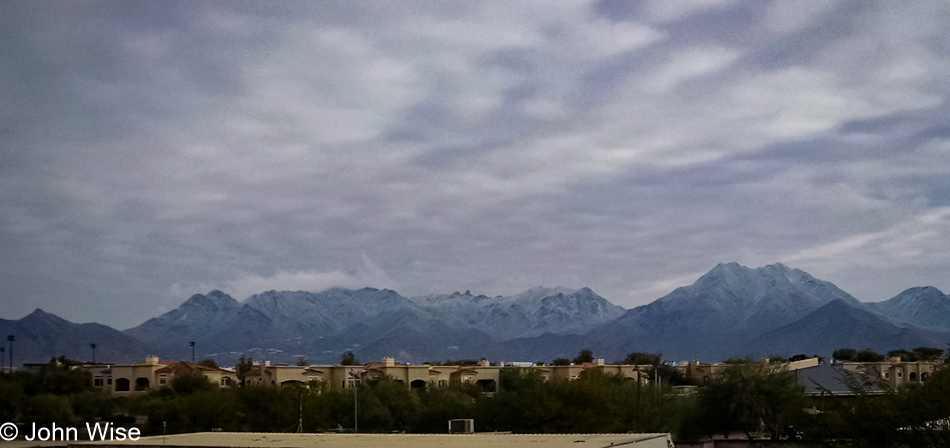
<point x="927" y="291"/>
<point x="923" y="306"/>
<point x="38" y="315"/>
<point x="213" y="300"/>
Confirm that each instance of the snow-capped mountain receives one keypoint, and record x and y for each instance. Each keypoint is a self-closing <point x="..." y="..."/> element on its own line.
<point x="329" y="312"/>
<point x="725" y="308"/>
<point x="533" y="312"/>
<point x="199" y="315"/>
<point x="730" y="311"/>
<point x="925" y="307"/>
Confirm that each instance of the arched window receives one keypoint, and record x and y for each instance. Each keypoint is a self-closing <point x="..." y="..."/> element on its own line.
<point x="913" y="377"/>
<point x="122" y="384"/>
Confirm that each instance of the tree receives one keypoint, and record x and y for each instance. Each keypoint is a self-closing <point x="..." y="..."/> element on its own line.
<point x="189" y="384"/>
<point x="750" y="396"/>
<point x="349" y="359"/>
<point x="584" y="356"/>
<point x="208" y="363"/>
<point x="637" y="358"/>
<point x="844" y="354"/>
<point x="868" y="355"/>
<point x="903" y="354"/>
<point x="928" y="353"/>
<point x="244" y="367"/>
<point x="561" y="362"/>
<point x="302" y="362"/>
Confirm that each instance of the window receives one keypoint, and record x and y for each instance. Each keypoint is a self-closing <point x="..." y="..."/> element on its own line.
<point x="887" y="375"/>
<point x="225" y="381"/>
<point x="162" y="379"/>
<point x="109" y="380"/>
<point x="98" y="381"/>
<point x="443" y="383"/>
<point x="900" y="373"/>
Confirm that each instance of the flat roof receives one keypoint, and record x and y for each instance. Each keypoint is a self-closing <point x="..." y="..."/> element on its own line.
<point x="282" y="440"/>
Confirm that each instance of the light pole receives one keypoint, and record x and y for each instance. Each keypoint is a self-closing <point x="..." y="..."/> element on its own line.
<point x="356" y="388"/>
<point x="11" y="338"/>
<point x="3" y="360"/>
<point x="93" y="347"/>
<point x="192" y="344"/>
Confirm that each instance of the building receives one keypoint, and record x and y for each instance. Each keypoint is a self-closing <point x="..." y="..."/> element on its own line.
<point x="894" y="372"/>
<point x="833" y="380"/>
<point x="484" y="374"/>
<point x="124" y="379"/>
<point x="702" y="373"/>
<point x="476" y="440"/>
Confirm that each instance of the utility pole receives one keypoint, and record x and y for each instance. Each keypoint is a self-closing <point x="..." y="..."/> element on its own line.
<point x="639" y="383"/>
<point x="356" y="388"/>
<point x="192" y="344"/>
<point x="3" y="360"/>
<point x="11" y="338"/>
<point x="93" y="347"/>
<point x="300" y="419"/>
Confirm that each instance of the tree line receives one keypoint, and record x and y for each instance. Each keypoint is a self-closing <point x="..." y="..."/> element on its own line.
<point x="750" y="399"/>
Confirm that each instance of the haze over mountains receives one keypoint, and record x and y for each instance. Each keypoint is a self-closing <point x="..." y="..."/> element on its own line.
<point x="732" y="311"/>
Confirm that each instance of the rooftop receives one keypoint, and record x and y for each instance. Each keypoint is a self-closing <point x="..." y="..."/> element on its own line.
<point x="280" y="440"/>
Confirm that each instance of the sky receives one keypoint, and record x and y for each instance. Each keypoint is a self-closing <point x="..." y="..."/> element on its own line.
<point x="153" y="150"/>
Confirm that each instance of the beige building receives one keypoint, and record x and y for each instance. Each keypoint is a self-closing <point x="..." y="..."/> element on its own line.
<point x="482" y="373"/>
<point x="702" y="373"/>
<point x="893" y="371"/>
<point x="124" y="379"/>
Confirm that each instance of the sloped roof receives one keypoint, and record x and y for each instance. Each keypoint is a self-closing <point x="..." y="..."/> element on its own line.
<point x="834" y="380"/>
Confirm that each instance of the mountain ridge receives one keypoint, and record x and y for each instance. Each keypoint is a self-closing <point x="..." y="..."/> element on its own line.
<point x="729" y="310"/>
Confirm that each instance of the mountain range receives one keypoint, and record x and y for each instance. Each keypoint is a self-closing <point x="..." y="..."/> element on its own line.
<point x="731" y="311"/>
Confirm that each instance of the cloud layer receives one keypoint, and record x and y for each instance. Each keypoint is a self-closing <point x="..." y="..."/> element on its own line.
<point x="149" y="151"/>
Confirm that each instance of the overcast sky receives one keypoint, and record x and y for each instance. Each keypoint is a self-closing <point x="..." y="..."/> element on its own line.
<point x="152" y="150"/>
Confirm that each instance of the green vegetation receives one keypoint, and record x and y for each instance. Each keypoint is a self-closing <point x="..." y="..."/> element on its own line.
<point x="750" y="398"/>
<point x="349" y="359"/>
<point x="55" y="393"/>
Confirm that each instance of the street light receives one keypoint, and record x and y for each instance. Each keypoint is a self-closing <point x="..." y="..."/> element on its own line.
<point x="192" y="344"/>
<point x="93" y="347"/>
<point x="3" y="360"/>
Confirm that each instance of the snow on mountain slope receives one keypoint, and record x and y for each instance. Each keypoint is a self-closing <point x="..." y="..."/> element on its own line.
<point x="925" y="307"/>
<point x="530" y="313"/>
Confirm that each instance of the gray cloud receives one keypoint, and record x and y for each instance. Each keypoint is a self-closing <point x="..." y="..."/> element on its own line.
<point x="148" y="151"/>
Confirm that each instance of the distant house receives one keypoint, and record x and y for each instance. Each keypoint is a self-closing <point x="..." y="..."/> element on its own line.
<point x="894" y="372"/>
<point x="124" y="379"/>
<point x="703" y="373"/>
<point x="483" y="374"/>
<point x="833" y="380"/>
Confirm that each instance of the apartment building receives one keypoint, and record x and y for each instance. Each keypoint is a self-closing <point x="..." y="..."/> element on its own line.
<point x="125" y="379"/>
<point x="894" y="371"/>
